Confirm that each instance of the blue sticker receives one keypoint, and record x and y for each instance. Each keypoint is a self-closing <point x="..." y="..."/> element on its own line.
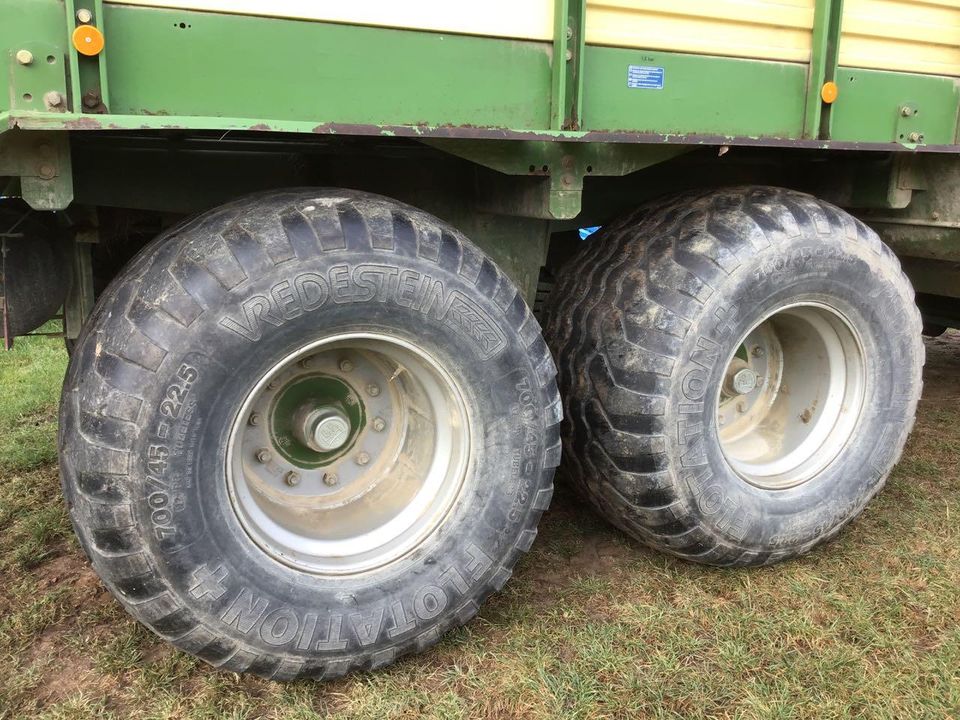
<point x="644" y="77"/>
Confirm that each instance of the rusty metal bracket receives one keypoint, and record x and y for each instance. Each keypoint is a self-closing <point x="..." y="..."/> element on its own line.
<point x="42" y="162"/>
<point x="38" y="77"/>
<point x="548" y="176"/>
<point x="908" y="129"/>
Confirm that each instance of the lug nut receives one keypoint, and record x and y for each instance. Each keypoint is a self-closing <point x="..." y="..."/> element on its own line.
<point x="273" y="385"/>
<point x="757" y="351"/>
<point x="379" y="424"/>
<point x="330" y="479"/>
<point x="254" y="418"/>
<point x="346" y="365"/>
<point x="292" y="478"/>
<point x="84" y="16"/>
<point x="744" y="381"/>
<point x="741" y="407"/>
<point x="24" y="57"/>
<point x="363" y="458"/>
<point x="264" y="455"/>
<point x="306" y="362"/>
<point x="373" y="390"/>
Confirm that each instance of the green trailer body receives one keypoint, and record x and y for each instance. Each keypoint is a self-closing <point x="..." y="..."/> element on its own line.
<point x="423" y="170"/>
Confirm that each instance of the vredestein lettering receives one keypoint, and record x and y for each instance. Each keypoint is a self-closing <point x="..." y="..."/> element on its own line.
<point x="368" y="282"/>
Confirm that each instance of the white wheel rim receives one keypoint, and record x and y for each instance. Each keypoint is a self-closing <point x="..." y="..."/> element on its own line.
<point x="380" y="495"/>
<point x="808" y="364"/>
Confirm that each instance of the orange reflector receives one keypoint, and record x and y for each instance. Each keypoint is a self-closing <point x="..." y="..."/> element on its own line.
<point x="829" y="92"/>
<point x="88" y="40"/>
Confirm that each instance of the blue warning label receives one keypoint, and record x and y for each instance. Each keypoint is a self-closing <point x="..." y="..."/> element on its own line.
<point x="644" y="77"/>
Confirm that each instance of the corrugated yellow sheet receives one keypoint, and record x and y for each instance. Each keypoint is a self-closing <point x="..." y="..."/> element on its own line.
<point x="523" y="19"/>
<point x="766" y="29"/>
<point x="905" y="35"/>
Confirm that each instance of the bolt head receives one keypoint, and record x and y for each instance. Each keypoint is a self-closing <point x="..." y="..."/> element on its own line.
<point x="264" y="455"/>
<point x="273" y="385"/>
<point x="330" y="479"/>
<point x="84" y="16"/>
<point x="379" y="424"/>
<point x="24" y="57"/>
<point x="254" y="419"/>
<point x="757" y="351"/>
<point x="292" y="478"/>
<point x="915" y="137"/>
<point x="53" y="98"/>
<point x="744" y="381"/>
<point x="306" y="362"/>
<point x="373" y="390"/>
<point x="741" y="407"/>
<point x="906" y="111"/>
<point x="363" y="458"/>
<point x="47" y="171"/>
<point x="346" y="365"/>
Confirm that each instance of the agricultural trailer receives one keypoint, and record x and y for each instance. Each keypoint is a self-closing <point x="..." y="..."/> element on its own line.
<point x="332" y="324"/>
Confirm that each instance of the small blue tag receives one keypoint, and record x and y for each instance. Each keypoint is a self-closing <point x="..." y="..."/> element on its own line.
<point x="644" y="77"/>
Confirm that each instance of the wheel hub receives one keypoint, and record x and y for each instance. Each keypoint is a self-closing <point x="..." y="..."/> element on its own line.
<point x="792" y="395"/>
<point x="348" y="453"/>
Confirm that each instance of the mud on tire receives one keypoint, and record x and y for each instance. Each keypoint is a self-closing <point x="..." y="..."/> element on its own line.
<point x="644" y="322"/>
<point x="180" y="337"/>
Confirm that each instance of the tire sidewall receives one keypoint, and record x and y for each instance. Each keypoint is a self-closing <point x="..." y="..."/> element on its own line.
<point x="193" y="537"/>
<point x="827" y="270"/>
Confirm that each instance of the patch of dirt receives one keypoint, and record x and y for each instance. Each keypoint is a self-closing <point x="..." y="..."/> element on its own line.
<point x="68" y="566"/>
<point x="65" y="671"/>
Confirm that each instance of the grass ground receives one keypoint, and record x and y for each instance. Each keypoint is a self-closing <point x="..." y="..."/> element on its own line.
<point x="591" y="626"/>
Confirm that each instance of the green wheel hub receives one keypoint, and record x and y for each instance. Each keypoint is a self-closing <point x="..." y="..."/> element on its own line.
<point x="302" y="405"/>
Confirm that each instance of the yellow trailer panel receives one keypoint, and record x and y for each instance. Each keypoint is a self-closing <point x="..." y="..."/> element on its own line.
<point x="523" y="19"/>
<point x="905" y="35"/>
<point x="765" y="29"/>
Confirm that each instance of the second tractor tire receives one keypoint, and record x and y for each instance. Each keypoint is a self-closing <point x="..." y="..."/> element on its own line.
<point x="740" y="371"/>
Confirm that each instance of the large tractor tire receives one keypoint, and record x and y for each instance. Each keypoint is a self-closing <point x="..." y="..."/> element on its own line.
<point x="308" y="432"/>
<point x="740" y="371"/>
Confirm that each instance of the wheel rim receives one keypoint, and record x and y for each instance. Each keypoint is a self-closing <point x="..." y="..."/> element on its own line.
<point x="792" y="395"/>
<point x="348" y="453"/>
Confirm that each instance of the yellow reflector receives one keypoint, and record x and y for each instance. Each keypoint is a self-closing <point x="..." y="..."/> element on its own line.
<point x="88" y="40"/>
<point x="828" y="92"/>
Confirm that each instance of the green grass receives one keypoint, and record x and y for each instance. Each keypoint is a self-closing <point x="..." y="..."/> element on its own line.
<point x="591" y="626"/>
